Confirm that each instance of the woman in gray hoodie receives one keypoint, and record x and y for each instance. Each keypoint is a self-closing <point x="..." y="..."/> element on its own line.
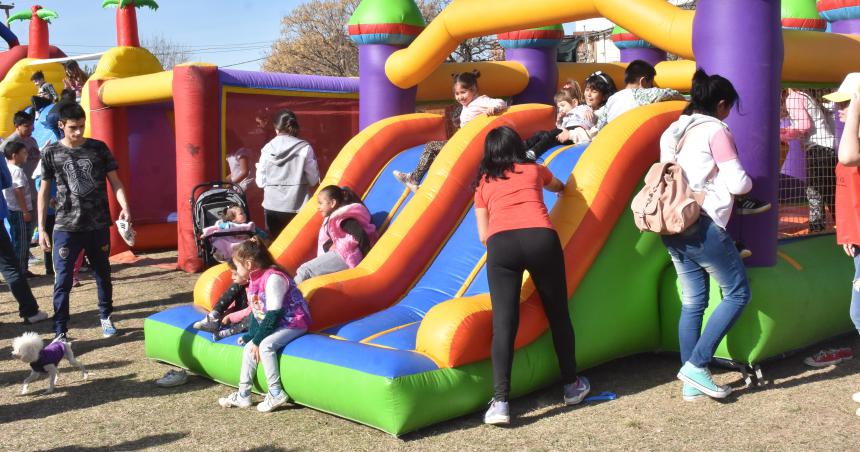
<point x="286" y="172"/>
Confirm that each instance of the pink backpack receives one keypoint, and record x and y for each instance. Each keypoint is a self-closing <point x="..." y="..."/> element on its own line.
<point x="666" y="204"/>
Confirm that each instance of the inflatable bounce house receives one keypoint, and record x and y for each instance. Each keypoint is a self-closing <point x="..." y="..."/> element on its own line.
<point x="402" y="341"/>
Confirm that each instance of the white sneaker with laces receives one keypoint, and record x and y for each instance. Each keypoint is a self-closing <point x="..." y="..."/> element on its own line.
<point x="498" y="413"/>
<point x="108" y="328"/>
<point x="208" y="323"/>
<point x="173" y="378"/>
<point x="234" y="400"/>
<point x="271" y="402"/>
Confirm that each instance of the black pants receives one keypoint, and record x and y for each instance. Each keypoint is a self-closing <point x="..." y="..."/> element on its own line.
<point x="543" y="141"/>
<point x="277" y="221"/>
<point x="234" y="293"/>
<point x="820" y="185"/>
<point x="18" y="285"/>
<point x="509" y="254"/>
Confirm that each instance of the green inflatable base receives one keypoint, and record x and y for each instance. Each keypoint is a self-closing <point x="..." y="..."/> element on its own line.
<point x="627" y="303"/>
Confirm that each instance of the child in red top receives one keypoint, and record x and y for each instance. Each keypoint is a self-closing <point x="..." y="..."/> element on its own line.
<point x="848" y="193"/>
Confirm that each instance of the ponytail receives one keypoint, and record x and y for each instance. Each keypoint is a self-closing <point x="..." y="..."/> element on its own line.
<point x="342" y="196"/>
<point x="255" y="250"/>
<point x="286" y="122"/>
<point x="708" y="91"/>
<point x="467" y="80"/>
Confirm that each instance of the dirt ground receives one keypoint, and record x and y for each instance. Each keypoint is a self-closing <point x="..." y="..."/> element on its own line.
<point x="120" y="408"/>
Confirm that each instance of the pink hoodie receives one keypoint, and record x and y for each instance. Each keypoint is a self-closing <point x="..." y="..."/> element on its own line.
<point x="344" y="244"/>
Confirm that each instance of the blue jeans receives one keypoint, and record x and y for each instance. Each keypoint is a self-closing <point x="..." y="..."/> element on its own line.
<point x="21" y="233"/>
<point x="18" y="284"/>
<point x="703" y="251"/>
<point x="67" y="246"/>
<point x="855" y="292"/>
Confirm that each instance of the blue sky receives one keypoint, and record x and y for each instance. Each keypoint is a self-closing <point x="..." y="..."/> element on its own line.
<point x="225" y="32"/>
<point x="230" y="31"/>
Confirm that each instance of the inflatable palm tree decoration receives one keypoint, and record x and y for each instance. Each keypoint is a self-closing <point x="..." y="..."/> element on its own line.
<point x="126" y="19"/>
<point x="39" y="19"/>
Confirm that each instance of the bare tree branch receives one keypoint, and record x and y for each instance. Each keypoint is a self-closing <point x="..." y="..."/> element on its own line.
<point x="169" y="53"/>
<point x="314" y="40"/>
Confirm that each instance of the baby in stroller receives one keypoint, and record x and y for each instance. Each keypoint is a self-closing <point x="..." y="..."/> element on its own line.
<point x="232" y="229"/>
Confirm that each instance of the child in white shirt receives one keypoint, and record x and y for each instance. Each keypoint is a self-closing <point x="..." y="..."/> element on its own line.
<point x="19" y="198"/>
<point x="474" y="105"/>
<point x="639" y="90"/>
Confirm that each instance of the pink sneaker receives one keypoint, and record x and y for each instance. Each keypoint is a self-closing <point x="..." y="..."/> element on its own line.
<point x="828" y="357"/>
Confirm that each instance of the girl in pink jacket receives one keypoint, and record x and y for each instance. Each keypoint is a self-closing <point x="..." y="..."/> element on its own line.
<point x="345" y="237"/>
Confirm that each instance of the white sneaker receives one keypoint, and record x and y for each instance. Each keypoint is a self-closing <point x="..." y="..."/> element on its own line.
<point x="271" y="402"/>
<point x="173" y="378"/>
<point x="208" y="323"/>
<point x="125" y="231"/>
<point x="37" y="317"/>
<point x="235" y="400"/>
<point x="856" y="397"/>
<point x="108" y="328"/>
<point x="498" y="413"/>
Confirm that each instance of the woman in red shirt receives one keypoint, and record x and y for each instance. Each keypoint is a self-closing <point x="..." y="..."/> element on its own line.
<point x="514" y="225"/>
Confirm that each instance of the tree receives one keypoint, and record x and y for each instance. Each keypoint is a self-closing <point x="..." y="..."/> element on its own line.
<point x="38" y="46"/>
<point x="126" y="19"/>
<point x="314" y="40"/>
<point x="168" y="52"/>
<point x="482" y="48"/>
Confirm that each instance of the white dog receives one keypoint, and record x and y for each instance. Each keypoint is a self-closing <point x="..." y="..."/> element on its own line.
<point x="43" y="360"/>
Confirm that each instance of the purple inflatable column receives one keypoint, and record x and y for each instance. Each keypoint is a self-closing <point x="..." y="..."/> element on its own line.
<point x="537" y="50"/>
<point x="378" y="97"/>
<point x="847" y="27"/>
<point x="752" y="61"/>
<point x="651" y="55"/>
<point x="633" y="47"/>
<point x="380" y="28"/>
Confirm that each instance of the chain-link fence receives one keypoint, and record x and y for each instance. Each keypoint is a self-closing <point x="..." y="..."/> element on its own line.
<point x="809" y="130"/>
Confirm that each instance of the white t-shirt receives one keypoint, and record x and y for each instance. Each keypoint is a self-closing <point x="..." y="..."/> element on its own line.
<point x="233" y="164"/>
<point x="19" y="180"/>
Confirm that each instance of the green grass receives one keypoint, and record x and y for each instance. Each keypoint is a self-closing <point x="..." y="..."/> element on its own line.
<point x="120" y="408"/>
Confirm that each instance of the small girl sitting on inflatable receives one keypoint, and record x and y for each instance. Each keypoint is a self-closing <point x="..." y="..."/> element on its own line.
<point x="346" y="234"/>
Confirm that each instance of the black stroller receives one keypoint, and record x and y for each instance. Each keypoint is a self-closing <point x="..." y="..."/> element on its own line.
<point x="209" y="200"/>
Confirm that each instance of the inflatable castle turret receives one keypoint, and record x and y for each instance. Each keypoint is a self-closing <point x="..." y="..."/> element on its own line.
<point x="633" y="47"/>
<point x="843" y="15"/>
<point x="380" y="28"/>
<point x="536" y="49"/>
<point x="801" y="15"/>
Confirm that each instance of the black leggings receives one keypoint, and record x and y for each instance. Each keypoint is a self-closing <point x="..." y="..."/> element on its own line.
<point x="234" y="293"/>
<point x="277" y="221"/>
<point x="509" y="254"/>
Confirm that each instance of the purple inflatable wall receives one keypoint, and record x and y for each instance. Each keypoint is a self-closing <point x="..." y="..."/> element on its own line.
<point x="752" y="60"/>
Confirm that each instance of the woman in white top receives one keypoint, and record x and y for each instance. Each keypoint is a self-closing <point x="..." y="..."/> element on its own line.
<point x="710" y="162"/>
<point x="286" y="172"/>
